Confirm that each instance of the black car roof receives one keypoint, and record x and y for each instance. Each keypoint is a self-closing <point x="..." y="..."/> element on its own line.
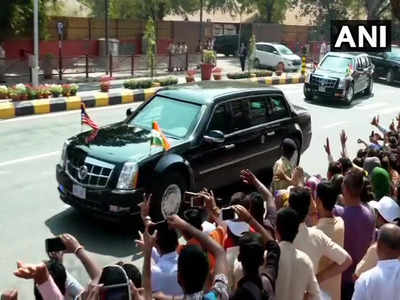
<point x="206" y="92"/>
<point x="347" y="54"/>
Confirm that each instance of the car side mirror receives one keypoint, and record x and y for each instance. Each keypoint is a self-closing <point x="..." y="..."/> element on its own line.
<point x="215" y="137"/>
<point x="275" y="52"/>
<point x="128" y="112"/>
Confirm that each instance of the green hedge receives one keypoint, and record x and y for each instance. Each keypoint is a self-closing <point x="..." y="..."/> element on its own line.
<point x="247" y="74"/>
<point x="147" y="83"/>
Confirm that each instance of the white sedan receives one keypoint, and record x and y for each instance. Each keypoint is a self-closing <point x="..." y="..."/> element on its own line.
<point x="276" y="56"/>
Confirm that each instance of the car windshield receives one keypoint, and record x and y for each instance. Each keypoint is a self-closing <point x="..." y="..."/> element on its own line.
<point x="336" y="63"/>
<point x="175" y="118"/>
<point x="284" y="50"/>
<point x="395" y="54"/>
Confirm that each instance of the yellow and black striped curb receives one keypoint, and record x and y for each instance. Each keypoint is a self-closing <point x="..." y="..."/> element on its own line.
<point x="43" y="106"/>
<point x="284" y="79"/>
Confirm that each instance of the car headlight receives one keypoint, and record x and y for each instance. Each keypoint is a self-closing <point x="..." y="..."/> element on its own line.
<point x="342" y="83"/>
<point x="64" y="154"/>
<point x="128" y="176"/>
<point x="308" y="77"/>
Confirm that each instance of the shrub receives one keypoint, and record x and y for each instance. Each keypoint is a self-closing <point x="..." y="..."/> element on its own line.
<point x="242" y="75"/>
<point x="209" y="57"/>
<point x="147" y="83"/>
<point x="3" y="92"/>
<point x="74" y="89"/>
<point x="56" y="90"/>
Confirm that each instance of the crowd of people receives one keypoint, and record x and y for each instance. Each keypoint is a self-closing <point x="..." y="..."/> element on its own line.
<point x="306" y="237"/>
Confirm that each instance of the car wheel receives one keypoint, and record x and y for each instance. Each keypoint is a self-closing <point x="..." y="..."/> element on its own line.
<point x="390" y="76"/>
<point x="257" y="63"/>
<point x="349" y="94"/>
<point x="168" y="195"/>
<point x="368" y="90"/>
<point x="307" y="95"/>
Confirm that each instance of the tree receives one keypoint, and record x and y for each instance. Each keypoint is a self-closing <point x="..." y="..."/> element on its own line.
<point x="272" y="11"/>
<point x="376" y="8"/>
<point x="16" y="17"/>
<point x="150" y="36"/>
<point x="322" y="12"/>
<point x="396" y="8"/>
<point x="142" y="9"/>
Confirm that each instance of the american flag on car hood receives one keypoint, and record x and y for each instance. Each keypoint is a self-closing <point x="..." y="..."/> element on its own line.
<point x="85" y="119"/>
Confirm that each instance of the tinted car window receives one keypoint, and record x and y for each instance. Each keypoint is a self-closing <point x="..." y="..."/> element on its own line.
<point x="277" y="108"/>
<point x="364" y="62"/>
<point x="220" y="120"/>
<point x="257" y="111"/>
<point x="240" y="114"/>
<point x="162" y="109"/>
<point x="259" y="47"/>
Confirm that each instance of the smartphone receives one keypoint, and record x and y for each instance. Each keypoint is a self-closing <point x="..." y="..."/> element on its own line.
<point x="194" y="199"/>
<point x="156" y="226"/>
<point x="115" y="292"/>
<point x="54" y="245"/>
<point x="228" y="213"/>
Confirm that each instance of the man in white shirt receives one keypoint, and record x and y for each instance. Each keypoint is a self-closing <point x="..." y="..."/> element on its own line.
<point x="314" y="242"/>
<point x="296" y="276"/>
<point x="382" y="281"/>
<point x="164" y="269"/>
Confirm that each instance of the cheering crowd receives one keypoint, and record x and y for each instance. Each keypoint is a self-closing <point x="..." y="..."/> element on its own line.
<point x="306" y="237"/>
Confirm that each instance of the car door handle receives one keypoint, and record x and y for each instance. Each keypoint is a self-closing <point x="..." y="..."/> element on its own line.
<point x="230" y="146"/>
<point x="271" y="133"/>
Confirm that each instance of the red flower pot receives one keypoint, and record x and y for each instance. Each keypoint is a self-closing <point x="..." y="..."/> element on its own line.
<point x="206" y="71"/>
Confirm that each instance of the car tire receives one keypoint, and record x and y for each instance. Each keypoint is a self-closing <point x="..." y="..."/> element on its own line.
<point x="257" y="63"/>
<point x="368" y="90"/>
<point x="349" y="94"/>
<point x="390" y="76"/>
<point x="307" y="95"/>
<point x="172" y="184"/>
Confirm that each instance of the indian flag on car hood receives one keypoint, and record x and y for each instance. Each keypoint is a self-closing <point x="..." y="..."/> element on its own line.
<point x="158" y="138"/>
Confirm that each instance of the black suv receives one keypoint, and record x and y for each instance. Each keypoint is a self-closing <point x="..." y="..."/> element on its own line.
<point x="215" y="129"/>
<point x="387" y="64"/>
<point x="341" y="75"/>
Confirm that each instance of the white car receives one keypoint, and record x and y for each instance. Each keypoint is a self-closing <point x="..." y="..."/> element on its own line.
<point x="276" y="56"/>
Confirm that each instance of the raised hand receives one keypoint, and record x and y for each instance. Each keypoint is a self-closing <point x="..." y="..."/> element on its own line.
<point x="28" y="271"/>
<point x="176" y="222"/>
<point x="392" y="126"/>
<point x="70" y="242"/>
<point x="145" y="206"/>
<point x="242" y="213"/>
<point x="149" y="239"/>
<point x="343" y="138"/>
<point x="327" y="147"/>
<point x="375" y="121"/>
<point x="10" y="295"/>
<point x="248" y="177"/>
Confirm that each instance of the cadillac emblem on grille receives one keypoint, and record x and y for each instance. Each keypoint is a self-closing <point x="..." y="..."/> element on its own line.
<point x="83" y="172"/>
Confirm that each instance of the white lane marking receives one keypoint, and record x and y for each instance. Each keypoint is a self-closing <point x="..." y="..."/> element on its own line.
<point x="334" y="124"/>
<point x="58" y="114"/>
<point x="20" y="160"/>
<point x="372" y="105"/>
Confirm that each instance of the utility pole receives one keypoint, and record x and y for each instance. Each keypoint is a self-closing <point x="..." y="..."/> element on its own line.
<point x="106" y="34"/>
<point x="35" y="69"/>
<point x="201" y="21"/>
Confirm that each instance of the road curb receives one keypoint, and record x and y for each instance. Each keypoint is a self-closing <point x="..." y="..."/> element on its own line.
<point x="276" y="80"/>
<point x="10" y="110"/>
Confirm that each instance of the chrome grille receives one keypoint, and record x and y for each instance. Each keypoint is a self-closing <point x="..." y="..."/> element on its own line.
<point x="98" y="172"/>
<point x="325" y="82"/>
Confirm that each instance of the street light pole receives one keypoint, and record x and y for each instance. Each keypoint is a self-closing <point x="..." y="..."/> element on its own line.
<point x="35" y="69"/>
<point x="106" y="34"/>
<point x="201" y="21"/>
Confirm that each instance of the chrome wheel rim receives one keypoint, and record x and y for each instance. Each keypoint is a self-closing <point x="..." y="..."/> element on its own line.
<point x="171" y="200"/>
<point x="349" y="95"/>
<point x="389" y="76"/>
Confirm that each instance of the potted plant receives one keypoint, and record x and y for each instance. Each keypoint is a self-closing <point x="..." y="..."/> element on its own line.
<point x="217" y="73"/>
<point x="66" y="90"/>
<point x="73" y="89"/>
<point x="190" y="75"/>
<point x="21" y="91"/>
<point x="105" y="83"/>
<point x="56" y="90"/>
<point x="208" y="64"/>
<point x="47" y="65"/>
<point x="3" y="92"/>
